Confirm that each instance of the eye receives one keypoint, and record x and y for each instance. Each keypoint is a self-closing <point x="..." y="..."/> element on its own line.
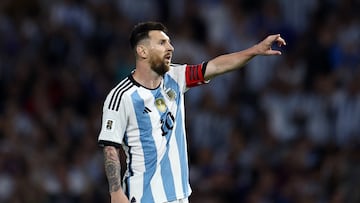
<point x="162" y="42"/>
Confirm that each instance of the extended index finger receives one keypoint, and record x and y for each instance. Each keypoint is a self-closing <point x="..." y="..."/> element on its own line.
<point x="280" y="41"/>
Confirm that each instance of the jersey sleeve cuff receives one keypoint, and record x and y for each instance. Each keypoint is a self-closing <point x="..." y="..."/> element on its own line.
<point x="104" y="143"/>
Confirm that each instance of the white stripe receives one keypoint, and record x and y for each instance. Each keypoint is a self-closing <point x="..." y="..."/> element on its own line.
<point x="175" y="164"/>
<point x="156" y="186"/>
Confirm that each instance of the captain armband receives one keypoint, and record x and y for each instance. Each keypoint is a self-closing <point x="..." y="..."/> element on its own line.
<point x="194" y="74"/>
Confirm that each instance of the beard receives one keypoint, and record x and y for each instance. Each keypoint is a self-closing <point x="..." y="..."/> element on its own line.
<point x="158" y="65"/>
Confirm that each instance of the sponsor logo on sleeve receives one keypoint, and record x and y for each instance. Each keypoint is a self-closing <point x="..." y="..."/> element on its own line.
<point x="109" y="125"/>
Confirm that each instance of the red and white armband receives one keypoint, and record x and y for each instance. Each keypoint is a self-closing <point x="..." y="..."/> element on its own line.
<point x="194" y="75"/>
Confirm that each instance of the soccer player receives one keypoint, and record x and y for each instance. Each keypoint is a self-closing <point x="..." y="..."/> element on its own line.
<point x="144" y="114"/>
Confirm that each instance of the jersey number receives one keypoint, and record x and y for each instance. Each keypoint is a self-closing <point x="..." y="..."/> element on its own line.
<point x="167" y="123"/>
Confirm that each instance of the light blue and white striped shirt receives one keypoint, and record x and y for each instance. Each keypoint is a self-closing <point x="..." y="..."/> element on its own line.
<point x="150" y="126"/>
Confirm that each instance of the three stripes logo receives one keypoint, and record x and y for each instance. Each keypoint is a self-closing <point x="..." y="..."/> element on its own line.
<point x="146" y="110"/>
<point x="114" y="103"/>
<point x="133" y="200"/>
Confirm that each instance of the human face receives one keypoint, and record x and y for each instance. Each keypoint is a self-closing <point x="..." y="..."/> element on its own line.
<point x="160" y="53"/>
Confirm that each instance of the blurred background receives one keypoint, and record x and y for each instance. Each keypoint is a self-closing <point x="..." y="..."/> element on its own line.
<point x="285" y="129"/>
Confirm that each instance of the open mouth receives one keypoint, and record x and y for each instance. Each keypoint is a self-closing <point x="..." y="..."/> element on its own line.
<point x="167" y="57"/>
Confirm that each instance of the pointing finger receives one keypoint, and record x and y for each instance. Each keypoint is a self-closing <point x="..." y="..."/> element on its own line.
<point x="280" y="41"/>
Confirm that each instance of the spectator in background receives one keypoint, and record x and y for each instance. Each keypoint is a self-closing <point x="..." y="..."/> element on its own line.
<point x="42" y="118"/>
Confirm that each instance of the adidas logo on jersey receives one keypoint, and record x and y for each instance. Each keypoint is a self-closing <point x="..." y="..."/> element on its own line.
<point x="133" y="200"/>
<point x="146" y="110"/>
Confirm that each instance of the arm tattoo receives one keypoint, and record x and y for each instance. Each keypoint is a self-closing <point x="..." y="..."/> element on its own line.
<point x="112" y="168"/>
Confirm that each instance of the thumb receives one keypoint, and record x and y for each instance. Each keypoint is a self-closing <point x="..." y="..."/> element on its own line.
<point x="273" y="52"/>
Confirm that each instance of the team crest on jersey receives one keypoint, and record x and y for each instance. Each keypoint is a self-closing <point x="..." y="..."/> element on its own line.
<point x="109" y="125"/>
<point x="160" y="104"/>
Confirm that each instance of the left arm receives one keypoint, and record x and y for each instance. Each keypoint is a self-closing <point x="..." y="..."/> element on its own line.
<point x="233" y="61"/>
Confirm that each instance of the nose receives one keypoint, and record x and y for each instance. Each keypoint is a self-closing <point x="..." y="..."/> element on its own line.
<point x="170" y="47"/>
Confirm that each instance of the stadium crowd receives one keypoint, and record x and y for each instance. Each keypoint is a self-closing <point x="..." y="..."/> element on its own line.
<point x="284" y="129"/>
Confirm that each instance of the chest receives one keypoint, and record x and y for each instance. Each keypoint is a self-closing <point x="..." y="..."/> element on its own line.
<point x="155" y="109"/>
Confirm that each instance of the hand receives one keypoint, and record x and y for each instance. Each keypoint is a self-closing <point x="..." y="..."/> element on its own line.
<point x="118" y="197"/>
<point x="264" y="47"/>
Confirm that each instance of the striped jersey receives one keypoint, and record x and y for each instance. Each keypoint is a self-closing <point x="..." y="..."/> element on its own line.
<point x="149" y="124"/>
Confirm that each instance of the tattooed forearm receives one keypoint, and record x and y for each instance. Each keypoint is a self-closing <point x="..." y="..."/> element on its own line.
<point x="112" y="168"/>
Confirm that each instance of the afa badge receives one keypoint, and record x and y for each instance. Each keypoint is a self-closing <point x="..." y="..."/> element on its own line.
<point x="160" y="104"/>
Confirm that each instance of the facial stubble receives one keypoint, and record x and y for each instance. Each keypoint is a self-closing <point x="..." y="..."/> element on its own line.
<point x="158" y="65"/>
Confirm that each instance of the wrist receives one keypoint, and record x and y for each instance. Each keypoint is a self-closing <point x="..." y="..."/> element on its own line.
<point x="255" y="50"/>
<point x="118" y="197"/>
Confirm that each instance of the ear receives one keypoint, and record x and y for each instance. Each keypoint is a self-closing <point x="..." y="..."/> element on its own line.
<point x="142" y="51"/>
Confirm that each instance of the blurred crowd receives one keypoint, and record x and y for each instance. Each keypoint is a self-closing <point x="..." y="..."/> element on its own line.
<point x="283" y="129"/>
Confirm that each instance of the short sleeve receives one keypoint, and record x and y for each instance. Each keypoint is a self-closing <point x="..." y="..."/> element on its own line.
<point x="113" y="124"/>
<point x="188" y="76"/>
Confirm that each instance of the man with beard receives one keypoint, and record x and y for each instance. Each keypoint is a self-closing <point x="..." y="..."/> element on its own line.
<point x="144" y="114"/>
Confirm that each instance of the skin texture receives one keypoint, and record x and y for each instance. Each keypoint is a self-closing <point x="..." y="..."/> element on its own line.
<point x="112" y="171"/>
<point x="112" y="168"/>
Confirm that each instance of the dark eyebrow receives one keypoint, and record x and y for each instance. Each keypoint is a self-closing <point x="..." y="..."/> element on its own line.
<point x="162" y="40"/>
<point x="165" y="40"/>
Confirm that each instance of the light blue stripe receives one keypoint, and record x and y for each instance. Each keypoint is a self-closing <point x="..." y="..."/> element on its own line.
<point x="166" y="173"/>
<point x="180" y="137"/>
<point x="148" y="146"/>
<point x="180" y="140"/>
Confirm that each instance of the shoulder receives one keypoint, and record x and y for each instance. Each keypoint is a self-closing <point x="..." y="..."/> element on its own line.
<point x="119" y="92"/>
<point x="176" y="68"/>
<point x="175" y="65"/>
<point x="123" y="86"/>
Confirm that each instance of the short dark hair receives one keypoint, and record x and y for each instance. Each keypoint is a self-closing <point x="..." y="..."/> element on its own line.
<point x="141" y="31"/>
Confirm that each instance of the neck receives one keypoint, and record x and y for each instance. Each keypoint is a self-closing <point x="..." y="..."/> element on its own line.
<point x="145" y="76"/>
